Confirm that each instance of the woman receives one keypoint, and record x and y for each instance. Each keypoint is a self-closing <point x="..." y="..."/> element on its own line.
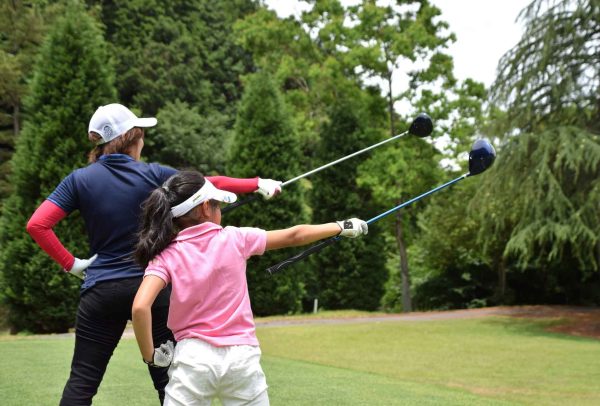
<point x="109" y="193"/>
<point x="181" y="244"/>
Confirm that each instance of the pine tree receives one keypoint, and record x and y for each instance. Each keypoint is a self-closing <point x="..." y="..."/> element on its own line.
<point x="266" y="145"/>
<point x="72" y="77"/>
<point x="21" y="32"/>
<point x="352" y="273"/>
<point x="541" y="213"/>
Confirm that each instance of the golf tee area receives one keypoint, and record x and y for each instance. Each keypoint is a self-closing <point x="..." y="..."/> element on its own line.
<point x="527" y="355"/>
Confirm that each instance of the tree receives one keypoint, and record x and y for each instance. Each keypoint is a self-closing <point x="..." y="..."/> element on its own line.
<point x="384" y="38"/>
<point x="394" y="175"/>
<point x="352" y="274"/>
<point x="266" y="144"/>
<point x="21" y="31"/>
<point x="192" y="139"/>
<point x="68" y="84"/>
<point x="547" y="220"/>
<point x="169" y="51"/>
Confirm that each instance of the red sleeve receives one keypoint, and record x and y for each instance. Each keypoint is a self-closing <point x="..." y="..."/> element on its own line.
<point x="234" y="185"/>
<point x="40" y="226"/>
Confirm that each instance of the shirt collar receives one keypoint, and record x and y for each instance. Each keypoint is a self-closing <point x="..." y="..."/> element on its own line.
<point x="115" y="157"/>
<point x="197" y="231"/>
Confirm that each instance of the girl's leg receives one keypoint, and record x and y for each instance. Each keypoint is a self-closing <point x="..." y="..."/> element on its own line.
<point x="160" y="335"/>
<point x="97" y="331"/>
<point x="194" y="375"/>
<point x="244" y="382"/>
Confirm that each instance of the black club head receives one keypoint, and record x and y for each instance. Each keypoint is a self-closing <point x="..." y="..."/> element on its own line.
<point x="481" y="157"/>
<point x="422" y="126"/>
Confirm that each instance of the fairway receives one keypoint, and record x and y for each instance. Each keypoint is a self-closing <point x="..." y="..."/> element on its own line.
<point x="487" y="361"/>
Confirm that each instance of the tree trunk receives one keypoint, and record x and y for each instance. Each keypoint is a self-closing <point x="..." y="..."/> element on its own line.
<point x="16" y="127"/>
<point x="501" y="281"/>
<point x="391" y="104"/>
<point x="406" y="300"/>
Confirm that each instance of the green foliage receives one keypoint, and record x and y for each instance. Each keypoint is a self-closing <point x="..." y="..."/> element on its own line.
<point x="394" y="174"/>
<point x="448" y="266"/>
<point x="176" y="50"/>
<point x="266" y="145"/>
<point x="179" y="51"/>
<point x="552" y="73"/>
<point x="553" y="201"/>
<point x="545" y="222"/>
<point x="21" y="29"/>
<point x="352" y="273"/>
<point x="190" y="138"/>
<point x="68" y="85"/>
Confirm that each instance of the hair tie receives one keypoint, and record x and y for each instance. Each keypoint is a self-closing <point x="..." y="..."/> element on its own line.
<point x="165" y="188"/>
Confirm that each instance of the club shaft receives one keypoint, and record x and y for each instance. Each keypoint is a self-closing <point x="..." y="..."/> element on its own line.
<point x="318" y="247"/>
<point x="287" y="182"/>
<point x="320" y="168"/>
<point x="390" y="211"/>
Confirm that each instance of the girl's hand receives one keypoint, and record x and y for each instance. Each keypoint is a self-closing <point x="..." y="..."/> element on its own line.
<point x="353" y="227"/>
<point x="163" y="355"/>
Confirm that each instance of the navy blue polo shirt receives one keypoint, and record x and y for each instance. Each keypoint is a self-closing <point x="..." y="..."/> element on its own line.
<point x="109" y="194"/>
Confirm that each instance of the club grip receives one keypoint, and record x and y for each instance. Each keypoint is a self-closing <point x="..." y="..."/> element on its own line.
<point x="239" y="203"/>
<point x="315" y="248"/>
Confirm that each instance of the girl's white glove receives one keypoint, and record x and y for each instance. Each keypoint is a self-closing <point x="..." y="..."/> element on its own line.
<point x="163" y="355"/>
<point x="268" y="187"/>
<point x="80" y="265"/>
<point x="353" y="227"/>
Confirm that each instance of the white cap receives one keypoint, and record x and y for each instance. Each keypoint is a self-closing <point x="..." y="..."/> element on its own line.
<point x="113" y="120"/>
<point x="207" y="192"/>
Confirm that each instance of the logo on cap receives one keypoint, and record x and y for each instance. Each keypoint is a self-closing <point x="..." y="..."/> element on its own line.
<point x="108" y="131"/>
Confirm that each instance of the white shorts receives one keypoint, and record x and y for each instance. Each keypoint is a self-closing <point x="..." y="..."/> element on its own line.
<point x="201" y="372"/>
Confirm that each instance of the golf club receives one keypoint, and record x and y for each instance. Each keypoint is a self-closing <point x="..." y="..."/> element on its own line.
<point x="481" y="157"/>
<point x="422" y="126"/>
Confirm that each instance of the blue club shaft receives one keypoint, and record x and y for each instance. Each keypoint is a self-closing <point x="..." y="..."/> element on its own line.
<point x="390" y="211"/>
<point x="325" y="243"/>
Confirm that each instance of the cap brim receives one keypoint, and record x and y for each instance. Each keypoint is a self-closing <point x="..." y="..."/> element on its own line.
<point x="223" y="196"/>
<point x="144" y="122"/>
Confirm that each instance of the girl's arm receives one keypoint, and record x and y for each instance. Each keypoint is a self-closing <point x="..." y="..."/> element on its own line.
<point x="305" y="234"/>
<point x="141" y="313"/>
<point x="300" y="235"/>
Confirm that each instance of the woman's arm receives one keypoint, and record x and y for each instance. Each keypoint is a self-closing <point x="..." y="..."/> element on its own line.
<point x="234" y="185"/>
<point x="266" y="187"/>
<point x="141" y="313"/>
<point x="40" y="227"/>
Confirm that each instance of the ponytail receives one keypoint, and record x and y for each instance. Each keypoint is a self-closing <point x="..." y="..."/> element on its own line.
<point x="158" y="226"/>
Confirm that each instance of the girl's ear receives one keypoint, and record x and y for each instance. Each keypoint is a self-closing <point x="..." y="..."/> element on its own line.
<point x="204" y="210"/>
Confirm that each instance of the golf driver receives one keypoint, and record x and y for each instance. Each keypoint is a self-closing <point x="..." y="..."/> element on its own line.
<point x="481" y="157"/>
<point x="422" y="126"/>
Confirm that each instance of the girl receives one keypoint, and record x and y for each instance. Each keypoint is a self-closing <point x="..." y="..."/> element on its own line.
<point x="108" y="193"/>
<point x="182" y="244"/>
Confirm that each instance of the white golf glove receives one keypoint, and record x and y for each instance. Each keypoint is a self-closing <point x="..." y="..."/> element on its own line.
<point x="268" y="187"/>
<point x="353" y="227"/>
<point x="163" y="355"/>
<point x="80" y="265"/>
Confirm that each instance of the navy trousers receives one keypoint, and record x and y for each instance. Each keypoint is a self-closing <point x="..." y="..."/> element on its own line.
<point x="103" y="312"/>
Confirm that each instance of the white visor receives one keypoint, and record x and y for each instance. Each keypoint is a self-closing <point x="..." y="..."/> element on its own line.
<point x="206" y="192"/>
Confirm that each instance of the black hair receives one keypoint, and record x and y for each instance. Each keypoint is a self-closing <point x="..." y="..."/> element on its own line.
<point x="159" y="227"/>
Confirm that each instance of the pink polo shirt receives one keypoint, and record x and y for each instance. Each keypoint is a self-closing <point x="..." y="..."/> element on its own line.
<point x="206" y="266"/>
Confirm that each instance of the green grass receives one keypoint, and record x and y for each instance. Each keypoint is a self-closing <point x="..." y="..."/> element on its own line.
<point x="492" y="361"/>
